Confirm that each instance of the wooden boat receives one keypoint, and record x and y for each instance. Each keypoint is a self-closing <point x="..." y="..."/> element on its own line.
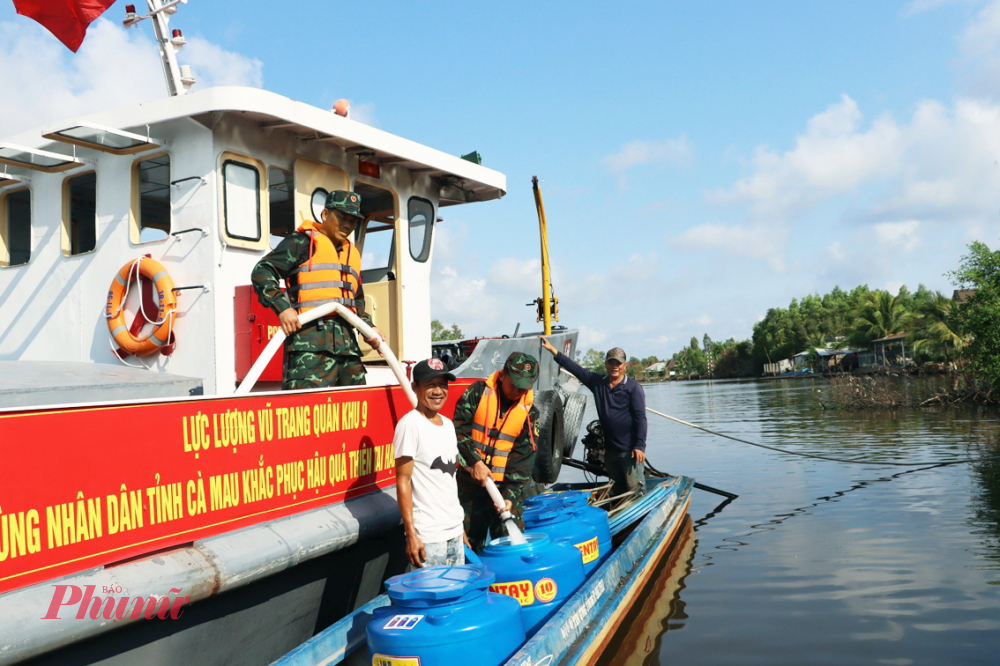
<point x="578" y="633"/>
<point x="649" y="618"/>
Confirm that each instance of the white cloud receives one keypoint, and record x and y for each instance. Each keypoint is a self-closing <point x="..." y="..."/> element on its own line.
<point x="948" y="173"/>
<point x="364" y="112"/>
<point x="831" y="157"/>
<point x="215" y="66"/>
<point x="468" y="302"/>
<point x="114" y="68"/>
<point x="895" y="183"/>
<point x="517" y="275"/>
<point x="919" y="6"/>
<point x="637" y="153"/>
<point x="46" y="82"/>
<point x="754" y="241"/>
<point x="448" y="239"/>
<point x="700" y="320"/>
<point x="902" y="234"/>
<point x="982" y="36"/>
<point x="737" y="240"/>
<point x="979" y="48"/>
<point x="836" y="251"/>
<point x="590" y="337"/>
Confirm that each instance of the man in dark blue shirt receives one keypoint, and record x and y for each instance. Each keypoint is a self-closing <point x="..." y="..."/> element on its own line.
<point x="621" y="407"/>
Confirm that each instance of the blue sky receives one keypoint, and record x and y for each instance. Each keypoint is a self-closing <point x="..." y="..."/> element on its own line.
<point x="701" y="162"/>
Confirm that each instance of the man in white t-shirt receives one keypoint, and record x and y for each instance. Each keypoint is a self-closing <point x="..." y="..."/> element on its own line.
<point x="426" y="461"/>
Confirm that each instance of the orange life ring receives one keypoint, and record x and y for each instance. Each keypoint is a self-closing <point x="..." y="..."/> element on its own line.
<point x="153" y="271"/>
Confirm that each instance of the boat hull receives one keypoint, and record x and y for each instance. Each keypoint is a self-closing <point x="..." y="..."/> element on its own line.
<point x="161" y="507"/>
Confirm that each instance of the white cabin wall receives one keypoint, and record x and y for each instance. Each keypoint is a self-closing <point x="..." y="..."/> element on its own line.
<point x="279" y="149"/>
<point x="417" y="287"/>
<point x="54" y="306"/>
<point x="32" y="312"/>
<point x="190" y="257"/>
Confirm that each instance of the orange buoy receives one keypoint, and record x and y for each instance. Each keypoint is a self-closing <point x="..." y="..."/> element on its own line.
<point x="153" y="271"/>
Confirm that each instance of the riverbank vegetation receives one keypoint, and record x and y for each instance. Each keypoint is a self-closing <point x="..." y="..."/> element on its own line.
<point x="960" y="332"/>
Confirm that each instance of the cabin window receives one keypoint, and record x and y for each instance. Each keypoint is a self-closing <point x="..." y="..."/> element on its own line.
<point x="378" y="237"/>
<point x="245" y="212"/>
<point x="281" y="197"/>
<point x="378" y="252"/>
<point x="151" y="199"/>
<point x="15" y="228"/>
<point x="80" y="214"/>
<point x="242" y="200"/>
<point x="317" y="202"/>
<point x="421" y="216"/>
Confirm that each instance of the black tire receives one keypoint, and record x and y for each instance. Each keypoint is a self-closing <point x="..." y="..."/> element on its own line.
<point x="574" y="406"/>
<point x="550" y="439"/>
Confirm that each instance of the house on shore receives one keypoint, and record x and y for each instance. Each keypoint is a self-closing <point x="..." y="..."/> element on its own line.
<point x="657" y="369"/>
<point x="890" y="350"/>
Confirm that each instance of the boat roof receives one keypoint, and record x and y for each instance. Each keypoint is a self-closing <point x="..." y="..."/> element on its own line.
<point x="309" y="123"/>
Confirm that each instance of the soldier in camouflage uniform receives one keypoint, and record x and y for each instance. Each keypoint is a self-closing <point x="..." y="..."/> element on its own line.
<point x="481" y="515"/>
<point x="324" y="352"/>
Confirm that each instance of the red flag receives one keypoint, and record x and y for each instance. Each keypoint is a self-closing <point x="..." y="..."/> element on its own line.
<point x="66" y="19"/>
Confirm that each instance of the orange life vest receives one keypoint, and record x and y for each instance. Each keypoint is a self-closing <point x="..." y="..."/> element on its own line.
<point x="328" y="276"/>
<point x="494" y="437"/>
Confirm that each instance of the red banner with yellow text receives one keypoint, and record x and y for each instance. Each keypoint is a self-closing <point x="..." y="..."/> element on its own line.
<point x="87" y="486"/>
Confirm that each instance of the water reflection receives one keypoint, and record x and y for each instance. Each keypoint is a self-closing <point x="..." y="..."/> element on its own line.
<point x="733" y="543"/>
<point x="657" y="610"/>
<point x="905" y="572"/>
<point x="986" y="512"/>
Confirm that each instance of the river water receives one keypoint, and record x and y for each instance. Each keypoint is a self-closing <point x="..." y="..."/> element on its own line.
<point x="820" y="562"/>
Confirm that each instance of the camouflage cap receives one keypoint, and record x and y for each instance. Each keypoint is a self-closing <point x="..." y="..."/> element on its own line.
<point x="522" y="368"/>
<point x="345" y="202"/>
<point x="616" y="354"/>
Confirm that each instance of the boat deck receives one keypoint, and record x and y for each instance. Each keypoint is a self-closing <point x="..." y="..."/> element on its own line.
<point x="34" y="383"/>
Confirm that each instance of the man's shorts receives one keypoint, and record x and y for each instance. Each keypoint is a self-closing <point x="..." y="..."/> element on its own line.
<point x="445" y="553"/>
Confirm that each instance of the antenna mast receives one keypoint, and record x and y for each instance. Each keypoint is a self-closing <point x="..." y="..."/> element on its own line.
<point x="179" y="79"/>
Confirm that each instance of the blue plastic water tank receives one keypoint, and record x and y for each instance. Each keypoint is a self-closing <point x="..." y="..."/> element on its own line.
<point x="579" y="499"/>
<point x="541" y="574"/>
<point x="441" y="616"/>
<point x="566" y="524"/>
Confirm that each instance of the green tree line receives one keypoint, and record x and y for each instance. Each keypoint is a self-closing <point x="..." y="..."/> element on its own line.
<point x="836" y="320"/>
<point x="937" y="327"/>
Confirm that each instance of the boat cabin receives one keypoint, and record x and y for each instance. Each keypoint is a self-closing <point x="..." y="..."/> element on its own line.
<point x="206" y="184"/>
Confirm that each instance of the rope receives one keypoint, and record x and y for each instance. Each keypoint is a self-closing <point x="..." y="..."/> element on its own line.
<point x="111" y="344"/>
<point x="128" y="285"/>
<point x="958" y="461"/>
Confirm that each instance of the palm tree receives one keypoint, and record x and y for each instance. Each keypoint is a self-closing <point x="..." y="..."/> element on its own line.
<point x="879" y="315"/>
<point x="816" y="339"/>
<point x="937" y="330"/>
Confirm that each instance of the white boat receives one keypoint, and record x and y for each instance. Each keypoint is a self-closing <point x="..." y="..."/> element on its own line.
<point x="272" y="513"/>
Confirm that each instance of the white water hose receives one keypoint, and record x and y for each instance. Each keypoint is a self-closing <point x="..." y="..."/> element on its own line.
<point x="513" y="531"/>
<point x="397" y="369"/>
<point x="317" y="313"/>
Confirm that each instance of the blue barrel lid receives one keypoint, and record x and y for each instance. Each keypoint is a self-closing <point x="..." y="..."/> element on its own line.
<point x="439" y="583"/>
<point x="548" y="513"/>
<point x="571" y="497"/>
<point x="505" y="545"/>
